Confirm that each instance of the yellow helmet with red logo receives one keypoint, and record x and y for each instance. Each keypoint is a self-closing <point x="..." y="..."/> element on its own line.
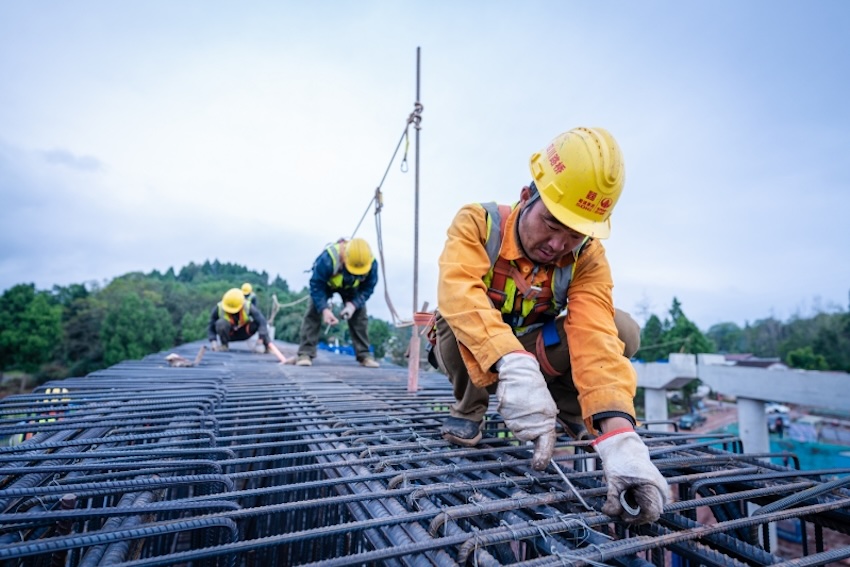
<point x="358" y="257"/>
<point x="233" y="300"/>
<point x="580" y="177"/>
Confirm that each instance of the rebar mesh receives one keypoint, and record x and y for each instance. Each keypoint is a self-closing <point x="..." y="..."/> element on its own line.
<point x="240" y="462"/>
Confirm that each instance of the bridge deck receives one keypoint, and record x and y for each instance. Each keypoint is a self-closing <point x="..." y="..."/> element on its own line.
<point x="242" y="461"/>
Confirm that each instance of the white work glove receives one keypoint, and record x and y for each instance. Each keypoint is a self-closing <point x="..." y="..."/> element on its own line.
<point x="627" y="468"/>
<point x="328" y="317"/>
<point x="213" y="346"/>
<point x="526" y="405"/>
<point x="347" y="311"/>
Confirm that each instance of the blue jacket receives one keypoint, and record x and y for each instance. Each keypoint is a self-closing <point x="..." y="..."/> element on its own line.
<point x="356" y="289"/>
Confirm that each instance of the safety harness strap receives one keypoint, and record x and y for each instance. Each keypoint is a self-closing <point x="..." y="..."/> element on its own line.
<point x="337" y="254"/>
<point x="504" y="270"/>
<point x="242" y="319"/>
<point x="542" y="358"/>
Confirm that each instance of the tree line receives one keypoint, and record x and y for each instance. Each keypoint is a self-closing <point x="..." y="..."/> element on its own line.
<point x="820" y="342"/>
<point x="76" y="329"/>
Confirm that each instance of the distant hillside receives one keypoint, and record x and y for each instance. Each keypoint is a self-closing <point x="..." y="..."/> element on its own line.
<point x="76" y="329"/>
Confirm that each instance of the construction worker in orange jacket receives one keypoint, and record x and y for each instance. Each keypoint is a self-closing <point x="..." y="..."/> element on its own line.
<point x="234" y="319"/>
<point x="525" y="311"/>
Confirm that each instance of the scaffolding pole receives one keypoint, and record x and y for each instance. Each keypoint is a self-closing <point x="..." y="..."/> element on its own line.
<point x="413" y="361"/>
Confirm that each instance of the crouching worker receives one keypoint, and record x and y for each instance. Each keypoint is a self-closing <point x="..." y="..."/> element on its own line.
<point x="525" y="311"/>
<point x="234" y="319"/>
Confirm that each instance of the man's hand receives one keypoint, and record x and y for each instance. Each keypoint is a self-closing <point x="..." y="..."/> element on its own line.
<point x="213" y="346"/>
<point x="347" y="311"/>
<point x="526" y="405"/>
<point x="628" y="471"/>
<point x="328" y="317"/>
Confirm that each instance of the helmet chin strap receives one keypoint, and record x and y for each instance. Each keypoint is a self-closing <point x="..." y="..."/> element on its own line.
<point x="533" y="192"/>
<point x="522" y="211"/>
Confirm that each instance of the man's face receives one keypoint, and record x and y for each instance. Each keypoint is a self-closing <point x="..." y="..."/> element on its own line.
<point x="544" y="239"/>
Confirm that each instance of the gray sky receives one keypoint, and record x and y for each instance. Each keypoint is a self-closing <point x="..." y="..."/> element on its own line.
<point x="146" y="135"/>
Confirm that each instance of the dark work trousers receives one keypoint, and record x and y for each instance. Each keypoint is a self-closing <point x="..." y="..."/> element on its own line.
<point x="311" y="326"/>
<point x="226" y="332"/>
<point x="472" y="401"/>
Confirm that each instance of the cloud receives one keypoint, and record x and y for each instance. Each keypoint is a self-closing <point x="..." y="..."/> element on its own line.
<point x="258" y="136"/>
<point x="66" y="158"/>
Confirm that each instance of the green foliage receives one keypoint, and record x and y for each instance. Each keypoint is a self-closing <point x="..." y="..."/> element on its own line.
<point x="398" y="344"/>
<point x="216" y="271"/>
<point x="728" y="337"/>
<point x="288" y="323"/>
<point x="379" y="333"/>
<point x="764" y="337"/>
<point x="827" y="334"/>
<point x="66" y="296"/>
<point x="80" y="328"/>
<point x="820" y="342"/>
<point x="652" y="341"/>
<point x="833" y="342"/>
<point x="82" y="350"/>
<point x="135" y="326"/>
<point x="676" y="334"/>
<point x="684" y="332"/>
<point x="806" y="359"/>
<point x="194" y="326"/>
<point x="32" y="328"/>
<point x="281" y="285"/>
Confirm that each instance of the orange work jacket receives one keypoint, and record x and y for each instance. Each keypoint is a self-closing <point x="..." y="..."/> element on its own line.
<point x="605" y="379"/>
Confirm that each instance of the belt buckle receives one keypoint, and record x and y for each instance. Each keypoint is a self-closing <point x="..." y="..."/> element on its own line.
<point x="533" y="292"/>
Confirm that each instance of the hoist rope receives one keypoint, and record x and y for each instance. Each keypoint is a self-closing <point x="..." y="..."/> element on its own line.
<point x="397" y="320"/>
<point x="276" y="306"/>
<point x="414" y="118"/>
<point x="296" y="302"/>
<point x="404" y="137"/>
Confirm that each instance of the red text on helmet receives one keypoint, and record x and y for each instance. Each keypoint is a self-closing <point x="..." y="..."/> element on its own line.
<point x="554" y="159"/>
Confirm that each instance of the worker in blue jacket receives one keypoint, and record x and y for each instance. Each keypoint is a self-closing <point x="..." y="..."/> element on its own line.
<point x="349" y="269"/>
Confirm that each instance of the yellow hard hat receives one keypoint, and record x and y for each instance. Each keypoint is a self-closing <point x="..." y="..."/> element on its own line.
<point x="233" y="300"/>
<point x="247" y="288"/>
<point x="358" y="257"/>
<point x="580" y="177"/>
<point x="57" y="391"/>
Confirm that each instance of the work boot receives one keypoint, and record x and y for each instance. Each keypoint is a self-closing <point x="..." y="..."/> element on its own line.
<point x="223" y="347"/>
<point x="369" y="362"/>
<point x="461" y="431"/>
<point x="303" y="360"/>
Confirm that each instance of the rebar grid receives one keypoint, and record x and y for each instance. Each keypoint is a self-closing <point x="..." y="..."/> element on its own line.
<point x="240" y="461"/>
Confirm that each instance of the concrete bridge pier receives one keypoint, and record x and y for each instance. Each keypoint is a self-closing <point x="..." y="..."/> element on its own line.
<point x="656" y="378"/>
